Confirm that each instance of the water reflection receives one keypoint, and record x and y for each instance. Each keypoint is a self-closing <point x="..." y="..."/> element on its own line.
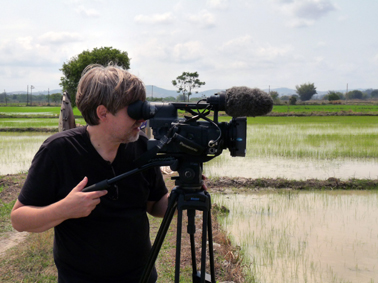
<point x="306" y="236"/>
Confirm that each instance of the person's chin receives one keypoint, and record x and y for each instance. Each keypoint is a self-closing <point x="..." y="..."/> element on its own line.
<point x="133" y="138"/>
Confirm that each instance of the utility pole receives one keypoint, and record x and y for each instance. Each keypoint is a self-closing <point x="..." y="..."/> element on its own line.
<point x="5" y="97"/>
<point x="48" y="96"/>
<point x="31" y="95"/>
<point x="27" y="95"/>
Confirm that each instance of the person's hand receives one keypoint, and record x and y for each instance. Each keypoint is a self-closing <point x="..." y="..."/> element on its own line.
<point x="203" y="184"/>
<point x="80" y="204"/>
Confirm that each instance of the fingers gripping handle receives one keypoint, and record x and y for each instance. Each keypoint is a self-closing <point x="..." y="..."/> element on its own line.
<point x="103" y="185"/>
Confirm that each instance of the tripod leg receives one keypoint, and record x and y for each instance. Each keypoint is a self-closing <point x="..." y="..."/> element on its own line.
<point x="211" y="248"/>
<point x="172" y="204"/>
<point x="203" y="256"/>
<point x="191" y="231"/>
<point x="178" y="246"/>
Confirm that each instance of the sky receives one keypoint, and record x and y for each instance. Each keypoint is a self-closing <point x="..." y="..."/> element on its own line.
<point x="253" y="43"/>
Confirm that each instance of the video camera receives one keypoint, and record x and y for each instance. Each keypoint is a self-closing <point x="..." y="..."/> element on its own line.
<point x="196" y="137"/>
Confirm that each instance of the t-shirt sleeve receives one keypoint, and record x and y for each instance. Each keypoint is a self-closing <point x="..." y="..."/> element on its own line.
<point x="39" y="187"/>
<point x="158" y="188"/>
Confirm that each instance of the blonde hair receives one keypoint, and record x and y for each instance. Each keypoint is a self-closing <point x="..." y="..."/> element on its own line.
<point x="111" y="86"/>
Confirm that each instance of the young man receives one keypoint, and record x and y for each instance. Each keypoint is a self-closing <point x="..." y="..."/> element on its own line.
<point x="100" y="236"/>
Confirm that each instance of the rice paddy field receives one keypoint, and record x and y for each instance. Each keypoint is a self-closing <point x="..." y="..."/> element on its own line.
<point x="312" y="237"/>
<point x="302" y="148"/>
<point x="53" y="111"/>
<point x="327" y="108"/>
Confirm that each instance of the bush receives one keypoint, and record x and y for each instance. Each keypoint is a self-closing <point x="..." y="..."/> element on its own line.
<point x="293" y="100"/>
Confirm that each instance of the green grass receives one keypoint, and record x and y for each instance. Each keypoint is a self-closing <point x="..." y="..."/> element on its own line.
<point x="34" y="110"/>
<point x="33" y="122"/>
<point x="372" y="108"/>
<point x="5" y="210"/>
<point x="30" y="262"/>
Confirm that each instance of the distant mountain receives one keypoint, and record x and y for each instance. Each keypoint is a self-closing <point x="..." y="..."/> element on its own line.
<point x="282" y="91"/>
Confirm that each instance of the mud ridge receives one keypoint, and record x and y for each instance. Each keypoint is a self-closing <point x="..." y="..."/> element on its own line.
<point x="218" y="184"/>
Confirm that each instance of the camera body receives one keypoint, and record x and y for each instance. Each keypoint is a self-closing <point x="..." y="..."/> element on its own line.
<point x="196" y="137"/>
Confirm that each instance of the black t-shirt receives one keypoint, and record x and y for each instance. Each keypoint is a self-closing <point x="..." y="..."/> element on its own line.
<point x="112" y="244"/>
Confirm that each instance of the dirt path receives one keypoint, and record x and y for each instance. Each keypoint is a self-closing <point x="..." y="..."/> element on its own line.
<point x="11" y="185"/>
<point x="10" y="239"/>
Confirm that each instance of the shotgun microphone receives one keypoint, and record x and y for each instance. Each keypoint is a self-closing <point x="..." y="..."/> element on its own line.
<point x="242" y="101"/>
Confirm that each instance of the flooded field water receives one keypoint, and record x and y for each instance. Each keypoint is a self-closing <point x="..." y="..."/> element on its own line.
<point x="292" y="168"/>
<point x="17" y="150"/>
<point x="304" y="151"/>
<point x="306" y="236"/>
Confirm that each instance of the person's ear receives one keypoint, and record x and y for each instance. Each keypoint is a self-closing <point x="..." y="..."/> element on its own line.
<point x="102" y="112"/>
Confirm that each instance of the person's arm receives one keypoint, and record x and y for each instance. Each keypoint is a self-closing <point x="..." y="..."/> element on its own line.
<point x="38" y="219"/>
<point x="158" y="208"/>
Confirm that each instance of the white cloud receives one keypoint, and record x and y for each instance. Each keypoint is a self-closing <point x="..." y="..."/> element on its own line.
<point x="204" y="19"/>
<point x="89" y="13"/>
<point x="312" y="9"/>
<point x="28" y="51"/>
<point x="189" y="51"/>
<point x="60" y="37"/>
<point x="218" y="4"/>
<point x="166" y="18"/>
<point x="303" y="13"/>
<point x="321" y="44"/>
<point x="300" y="23"/>
<point x="376" y="58"/>
<point x="244" y="47"/>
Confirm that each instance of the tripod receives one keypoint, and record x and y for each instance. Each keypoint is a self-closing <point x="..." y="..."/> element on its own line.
<point x="190" y="201"/>
<point x="187" y="195"/>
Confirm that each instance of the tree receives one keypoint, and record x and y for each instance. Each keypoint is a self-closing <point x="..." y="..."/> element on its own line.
<point x="355" y="94"/>
<point x="275" y="97"/>
<point x="306" y="91"/>
<point x="334" y="95"/>
<point x="293" y="100"/>
<point x="187" y="82"/>
<point x="374" y="93"/>
<point x="73" y="69"/>
<point x="180" y="97"/>
<point x="56" y="97"/>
